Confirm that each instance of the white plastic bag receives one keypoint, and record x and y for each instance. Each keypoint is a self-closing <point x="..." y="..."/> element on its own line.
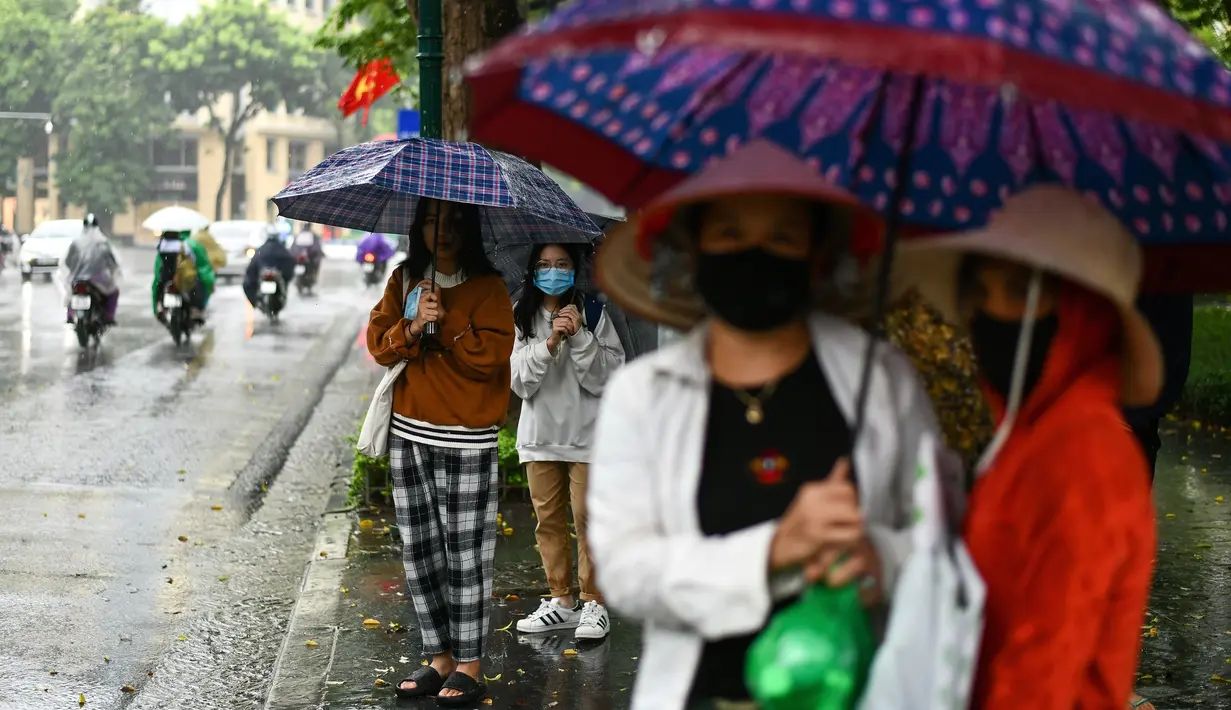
<point x="374" y="436"/>
<point x="929" y="655"/>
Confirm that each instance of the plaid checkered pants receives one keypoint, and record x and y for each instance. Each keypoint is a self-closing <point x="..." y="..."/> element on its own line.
<point x="446" y="502"/>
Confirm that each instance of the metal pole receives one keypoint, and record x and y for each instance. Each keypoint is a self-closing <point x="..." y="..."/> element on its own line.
<point x="431" y="62"/>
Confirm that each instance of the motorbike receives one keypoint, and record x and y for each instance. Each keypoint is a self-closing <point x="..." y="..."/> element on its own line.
<point x="272" y="297"/>
<point x="175" y="312"/>
<point x="373" y="270"/>
<point x="305" y="274"/>
<point x="86" y="304"/>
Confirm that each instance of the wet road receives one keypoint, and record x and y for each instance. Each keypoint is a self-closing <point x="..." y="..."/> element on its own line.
<point x="145" y="540"/>
<point x="1186" y="654"/>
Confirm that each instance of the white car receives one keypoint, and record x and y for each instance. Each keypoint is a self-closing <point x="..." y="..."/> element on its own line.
<point x="239" y="238"/>
<point x="45" y="247"/>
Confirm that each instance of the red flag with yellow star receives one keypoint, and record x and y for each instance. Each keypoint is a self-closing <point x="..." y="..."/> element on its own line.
<point x="373" y="81"/>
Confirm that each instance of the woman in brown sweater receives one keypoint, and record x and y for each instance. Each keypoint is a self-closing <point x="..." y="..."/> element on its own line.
<point x="447" y="411"/>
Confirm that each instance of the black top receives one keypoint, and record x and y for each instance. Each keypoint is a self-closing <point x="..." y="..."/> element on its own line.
<point x="750" y="474"/>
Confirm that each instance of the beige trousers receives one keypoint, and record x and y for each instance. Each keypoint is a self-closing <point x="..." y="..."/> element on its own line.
<point x="553" y="485"/>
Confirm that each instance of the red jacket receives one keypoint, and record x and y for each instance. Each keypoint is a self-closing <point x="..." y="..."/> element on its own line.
<point x="1062" y="528"/>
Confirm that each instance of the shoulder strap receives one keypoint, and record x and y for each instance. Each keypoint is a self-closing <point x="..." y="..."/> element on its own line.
<point x="594" y="311"/>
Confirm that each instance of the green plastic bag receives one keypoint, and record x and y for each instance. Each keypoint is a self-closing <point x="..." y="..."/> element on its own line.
<point x="814" y="654"/>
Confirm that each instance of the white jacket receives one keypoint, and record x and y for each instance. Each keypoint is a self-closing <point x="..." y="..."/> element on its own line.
<point x="560" y="395"/>
<point x="653" y="562"/>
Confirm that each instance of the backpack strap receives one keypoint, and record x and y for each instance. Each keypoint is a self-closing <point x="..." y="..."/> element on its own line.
<point x="594" y="311"/>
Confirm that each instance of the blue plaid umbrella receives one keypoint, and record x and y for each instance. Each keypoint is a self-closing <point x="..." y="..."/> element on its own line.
<point x="376" y="187"/>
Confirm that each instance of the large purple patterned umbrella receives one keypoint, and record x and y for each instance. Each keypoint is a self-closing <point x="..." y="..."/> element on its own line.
<point x="1126" y="57"/>
<point x="376" y="187"/>
<point x="651" y="118"/>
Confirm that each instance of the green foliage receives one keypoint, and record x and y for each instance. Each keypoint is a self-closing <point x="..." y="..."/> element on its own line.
<point x="1207" y="394"/>
<point x="112" y="103"/>
<point x="1207" y="20"/>
<point x="362" y="31"/>
<point x="368" y="469"/>
<point x="38" y="47"/>
<point x="509" y="462"/>
<point x="235" y="59"/>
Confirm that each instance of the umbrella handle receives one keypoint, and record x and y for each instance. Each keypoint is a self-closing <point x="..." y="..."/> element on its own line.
<point x="432" y="329"/>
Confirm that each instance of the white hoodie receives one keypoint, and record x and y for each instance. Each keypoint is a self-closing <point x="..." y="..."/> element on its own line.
<point x="560" y="394"/>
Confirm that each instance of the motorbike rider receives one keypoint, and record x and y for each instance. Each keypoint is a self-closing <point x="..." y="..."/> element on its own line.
<point x="308" y="245"/>
<point x="273" y="254"/>
<point x="90" y="258"/>
<point x="193" y="272"/>
<point x="380" y="249"/>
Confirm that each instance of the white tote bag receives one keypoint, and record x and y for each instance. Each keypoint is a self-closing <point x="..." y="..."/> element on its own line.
<point x="928" y="658"/>
<point x="374" y="436"/>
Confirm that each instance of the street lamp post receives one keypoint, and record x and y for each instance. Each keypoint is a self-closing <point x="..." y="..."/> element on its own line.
<point x="431" y="66"/>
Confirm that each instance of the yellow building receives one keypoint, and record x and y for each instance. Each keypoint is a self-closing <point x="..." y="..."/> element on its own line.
<point x="276" y="146"/>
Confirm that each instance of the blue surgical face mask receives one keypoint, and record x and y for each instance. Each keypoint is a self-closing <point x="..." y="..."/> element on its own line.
<point x="412" y="302"/>
<point x="554" y="282"/>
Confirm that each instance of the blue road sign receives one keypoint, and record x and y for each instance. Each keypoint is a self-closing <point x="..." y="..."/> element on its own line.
<point x="408" y="123"/>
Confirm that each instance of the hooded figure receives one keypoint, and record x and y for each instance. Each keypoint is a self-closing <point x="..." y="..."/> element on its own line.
<point x="90" y="258"/>
<point x="376" y="245"/>
<point x="194" y="271"/>
<point x="1060" y="519"/>
<point x="273" y="254"/>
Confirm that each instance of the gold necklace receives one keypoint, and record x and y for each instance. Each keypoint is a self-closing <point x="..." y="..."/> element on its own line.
<point x="755" y="404"/>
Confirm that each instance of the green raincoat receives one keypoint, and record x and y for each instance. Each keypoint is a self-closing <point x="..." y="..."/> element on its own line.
<point x="195" y="267"/>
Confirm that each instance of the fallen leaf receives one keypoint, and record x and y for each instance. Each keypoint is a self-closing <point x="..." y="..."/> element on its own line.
<point x="81" y="700"/>
<point x="1217" y="499"/>
<point x="508" y="532"/>
<point x="181" y="637"/>
<point x="1204" y="545"/>
<point x="365" y="524"/>
<point x="344" y="590"/>
<point x="380" y="683"/>
<point x="1169" y="515"/>
<point x="224" y="578"/>
<point x="324" y="554"/>
<point x="521" y="671"/>
<point x="82" y="516"/>
<point x="215" y="507"/>
<point x="569" y="652"/>
<point x="182" y="538"/>
<point x="127" y="689"/>
<point x="424" y="662"/>
<point x="264" y="488"/>
<point x="495" y="678"/>
<point x="371" y="623"/>
<point x="107" y="659"/>
<point x="487" y="701"/>
<point x="53" y="672"/>
<point x="506" y="628"/>
<point x="310" y="643"/>
<point x="511" y="598"/>
<point x="1219" y="679"/>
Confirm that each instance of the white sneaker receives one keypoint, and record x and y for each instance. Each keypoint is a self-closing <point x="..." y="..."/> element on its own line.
<point x="595" y="623"/>
<point x="550" y="616"/>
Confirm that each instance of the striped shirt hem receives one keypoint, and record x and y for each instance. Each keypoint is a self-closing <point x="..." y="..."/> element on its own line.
<point x="448" y="437"/>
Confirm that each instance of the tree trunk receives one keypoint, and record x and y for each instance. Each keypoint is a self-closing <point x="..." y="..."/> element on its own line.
<point x="469" y="27"/>
<point x="228" y="154"/>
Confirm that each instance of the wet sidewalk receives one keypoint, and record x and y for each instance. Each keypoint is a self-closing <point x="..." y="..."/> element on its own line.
<point x="1186" y="645"/>
<point x="522" y="671"/>
<point x="1186" y="655"/>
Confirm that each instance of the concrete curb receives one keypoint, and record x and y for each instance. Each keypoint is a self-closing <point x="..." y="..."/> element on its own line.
<point x="298" y="678"/>
<point x="299" y="674"/>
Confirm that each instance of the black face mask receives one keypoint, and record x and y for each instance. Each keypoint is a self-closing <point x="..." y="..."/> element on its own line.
<point x="995" y="346"/>
<point x="754" y="290"/>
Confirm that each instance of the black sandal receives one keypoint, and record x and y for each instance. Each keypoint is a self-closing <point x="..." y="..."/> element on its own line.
<point x="472" y="691"/>
<point x="427" y="682"/>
